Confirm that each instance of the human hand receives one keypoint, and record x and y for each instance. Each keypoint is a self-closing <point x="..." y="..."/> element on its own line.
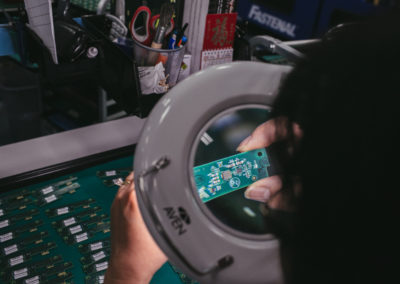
<point x="135" y="257"/>
<point x="267" y="189"/>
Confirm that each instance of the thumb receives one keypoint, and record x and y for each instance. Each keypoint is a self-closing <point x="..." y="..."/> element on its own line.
<point x="264" y="189"/>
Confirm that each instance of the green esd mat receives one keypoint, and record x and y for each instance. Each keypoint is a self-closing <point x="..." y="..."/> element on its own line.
<point x="59" y="230"/>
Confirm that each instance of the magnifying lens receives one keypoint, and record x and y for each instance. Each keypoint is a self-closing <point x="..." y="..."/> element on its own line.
<point x="191" y="181"/>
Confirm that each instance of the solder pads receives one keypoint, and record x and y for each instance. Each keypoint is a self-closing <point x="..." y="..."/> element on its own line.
<point x="226" y="175"/>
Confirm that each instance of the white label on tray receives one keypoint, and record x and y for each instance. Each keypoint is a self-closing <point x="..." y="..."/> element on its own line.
<point x="6" y="237"/>
<point x="81" y="237"/>
<point x="75" y="229"/>
<point x="10" y="249"/>
<point x="118" y="181"/>
<point x="4" y="223"/>
<point x="50" y="198"/>
<point x="16" y="260"/>
<point x="100" y="278"/>
<point x="110" y="173"/>
<point x="61" y="211"/>
<point x="96" y="246"/>
<point x="98" y="256"/>
<point x="47" y="190"/>
<point x="1" y="212"/>
<point x="20" y="273"/>
<point x="101" y="266"/>
<point x="32" y="280"/>
<point x="69" y="221"/>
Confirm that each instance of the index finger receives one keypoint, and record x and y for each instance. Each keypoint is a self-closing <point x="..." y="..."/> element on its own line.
<point x="266" y="134"/>
<point x="263" y="136"/>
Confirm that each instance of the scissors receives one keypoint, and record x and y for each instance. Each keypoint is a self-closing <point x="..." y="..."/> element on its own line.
<point x="150" y="24"/>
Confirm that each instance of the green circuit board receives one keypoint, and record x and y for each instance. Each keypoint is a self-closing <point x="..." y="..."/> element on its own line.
<point x="58" y="231"/>
<point x="229" y="174"/>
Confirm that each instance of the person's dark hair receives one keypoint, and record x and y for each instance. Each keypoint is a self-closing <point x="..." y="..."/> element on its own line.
<point x="346" y="99"/>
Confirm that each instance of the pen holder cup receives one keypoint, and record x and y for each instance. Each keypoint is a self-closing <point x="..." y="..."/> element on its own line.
<point x="171" y="60"/>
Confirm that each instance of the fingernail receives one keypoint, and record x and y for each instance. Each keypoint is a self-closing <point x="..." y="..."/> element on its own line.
<point x="257" y="193"/>
<point x="243" y="143"/>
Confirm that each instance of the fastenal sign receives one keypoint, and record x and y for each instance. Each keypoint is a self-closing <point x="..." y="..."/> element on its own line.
<point x="272" y="22"/>
<point x="286" y="24"/>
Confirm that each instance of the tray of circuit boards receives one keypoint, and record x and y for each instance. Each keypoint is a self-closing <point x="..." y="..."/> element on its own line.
<point x="58" y="231"/>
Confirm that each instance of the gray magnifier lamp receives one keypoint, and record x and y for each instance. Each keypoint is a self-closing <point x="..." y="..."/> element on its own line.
<point x="212" y="237"/>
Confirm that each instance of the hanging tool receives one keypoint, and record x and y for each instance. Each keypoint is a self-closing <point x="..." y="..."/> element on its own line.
<point x="120" y="10"/>
<point x="118" y="28"/>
